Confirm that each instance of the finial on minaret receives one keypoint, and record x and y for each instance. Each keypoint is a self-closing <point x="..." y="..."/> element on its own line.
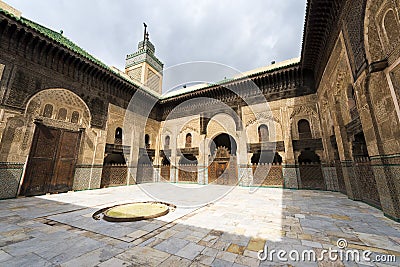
<point x="145" y="34"/>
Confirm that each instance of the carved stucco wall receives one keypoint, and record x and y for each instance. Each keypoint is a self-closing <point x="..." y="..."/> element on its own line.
<point x="382" y="39"/>
<point x="192" y="126"/>
<point x="116" y="116"/>
<point x="17" y="129"/>
<point x="375" y="101"/>
<point x="334" y="111"/>
<point x="379" y="91"/>
<point x="307" y="112"/>
<point x="255" y="116"/>
<point x="152" y="129"/>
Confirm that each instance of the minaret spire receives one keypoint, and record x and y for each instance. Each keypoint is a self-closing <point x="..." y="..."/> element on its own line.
<point x="143" y="66"/>
<point x="145" y="34"/>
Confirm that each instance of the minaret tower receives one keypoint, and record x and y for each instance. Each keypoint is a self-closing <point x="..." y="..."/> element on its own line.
<point x="143" y="66"/>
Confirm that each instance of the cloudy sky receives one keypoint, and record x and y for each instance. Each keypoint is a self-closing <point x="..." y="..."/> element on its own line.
<point x="243" y="34"/>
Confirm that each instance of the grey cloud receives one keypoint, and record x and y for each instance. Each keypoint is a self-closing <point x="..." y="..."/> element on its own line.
<point x="242" y="34"/>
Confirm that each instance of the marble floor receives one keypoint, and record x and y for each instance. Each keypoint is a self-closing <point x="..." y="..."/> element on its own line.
<point x="58" y="230"/>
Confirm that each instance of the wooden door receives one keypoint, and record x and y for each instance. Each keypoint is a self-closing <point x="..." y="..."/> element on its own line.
<point x="216" y="172"/>
<point x="64" y="166"/>
<point x="221" y="167"/>
<point x="51" y="162"/>
<point x="40" y="165"/>
<point x="222" y="173"/>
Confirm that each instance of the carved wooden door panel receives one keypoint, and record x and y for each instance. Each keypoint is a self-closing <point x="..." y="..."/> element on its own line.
<point x="221" y="167"/>
<point x="51" y="163"/>
<point x="216" y="172"/>
<point x="212" y="173"/>
<point x="221" y="175"/>
<point x="64" y="166"/>
<point x="40" y="165"/>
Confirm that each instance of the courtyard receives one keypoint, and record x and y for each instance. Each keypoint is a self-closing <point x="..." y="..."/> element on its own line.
<point x="58" y="230"/>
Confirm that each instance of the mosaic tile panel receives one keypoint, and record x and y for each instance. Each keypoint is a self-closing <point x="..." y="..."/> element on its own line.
<point x="201" y="172"/>
<point x="350" y="180"/>
<point x="340" y="178"/>
<point x="145" y="174"/>
<point x="96" y="178"/>
<point x="87" y="177"/>
<point x="330" y="177"/>
<point x="389" y="205"/>
<point x="290" y="177"/>
<point x="245" y="176"/>
<point x="367" y="183"/>
<point x="132" y="171"/>
<point x="10" y="178"/>
<point x="394" y="171"/>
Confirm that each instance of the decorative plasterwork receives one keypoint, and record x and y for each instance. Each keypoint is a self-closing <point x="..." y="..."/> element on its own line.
<point x="267" y="116"/>
<point x="184" y="129"/>
<point x="303" y="110"/>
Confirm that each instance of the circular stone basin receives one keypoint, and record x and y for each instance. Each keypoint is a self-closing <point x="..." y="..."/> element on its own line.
<point x="136" y="211"/>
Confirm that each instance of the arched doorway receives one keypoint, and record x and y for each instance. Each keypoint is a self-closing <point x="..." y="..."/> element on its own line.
<point x="165" y="168"/>
<point x="223" y="165"/>
<point x="147" y="141"/>
<point x="304" y="129"/>
<point x="114" y="171"/>
<point x="263" y="133"/>
<point x="267" y="169"/>
<point x="266" y="157"/>
<point x="60" y="117"/>
<point x="188" y="140"/>
<point x="223" y="140"/>
<point x="310" y="170"/>
<point x="188" y="168"/>
<point x="118" y="136"/>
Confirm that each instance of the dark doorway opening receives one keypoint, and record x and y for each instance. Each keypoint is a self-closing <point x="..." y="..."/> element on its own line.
<point x="304" y="129"/>
<point x="223" y="168"/>
<point x="266" y="156"/>
<point x="223" y="140"/>
<point x="309" y="156"/>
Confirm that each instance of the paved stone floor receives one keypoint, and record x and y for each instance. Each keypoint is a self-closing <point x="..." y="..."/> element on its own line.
<point x="58" y="230"/>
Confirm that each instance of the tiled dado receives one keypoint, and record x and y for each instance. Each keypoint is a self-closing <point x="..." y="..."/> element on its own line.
<point x="330" y="177"/>
<point x="10" y="174"/>
<point x="87" y="177"/>
<point x="290" y="176"/>
<point x="388" y="166"/>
